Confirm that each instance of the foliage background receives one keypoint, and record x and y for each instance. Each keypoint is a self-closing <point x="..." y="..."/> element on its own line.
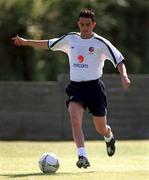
<point x="124" y="22"/>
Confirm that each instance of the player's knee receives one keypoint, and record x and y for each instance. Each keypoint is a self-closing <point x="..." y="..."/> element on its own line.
<point x="75" y="121"/>
<point x="76" y="124"/>
<point x="101" y="131"/>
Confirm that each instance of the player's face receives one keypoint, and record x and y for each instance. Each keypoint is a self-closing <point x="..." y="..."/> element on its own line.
<point x="86" y="26"/>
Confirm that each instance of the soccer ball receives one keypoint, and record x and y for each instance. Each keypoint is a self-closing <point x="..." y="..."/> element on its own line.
<point x="49" y="163"/>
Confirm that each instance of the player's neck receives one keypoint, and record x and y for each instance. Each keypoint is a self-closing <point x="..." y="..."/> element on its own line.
<point x="87" y="36"/>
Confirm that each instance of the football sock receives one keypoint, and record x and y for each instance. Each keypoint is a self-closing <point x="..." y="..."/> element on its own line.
<point x="108" y="139"/>
<point x="82" y="151"/>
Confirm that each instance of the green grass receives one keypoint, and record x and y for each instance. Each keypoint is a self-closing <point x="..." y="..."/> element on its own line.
<point x="19" y="161"/>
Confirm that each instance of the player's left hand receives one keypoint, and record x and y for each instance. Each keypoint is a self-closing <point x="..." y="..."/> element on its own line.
<point x="125" y="82"/>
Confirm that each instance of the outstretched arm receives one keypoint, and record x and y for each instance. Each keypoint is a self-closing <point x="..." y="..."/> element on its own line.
<point x="43" y="44"/>
<point x="125" y="82"/>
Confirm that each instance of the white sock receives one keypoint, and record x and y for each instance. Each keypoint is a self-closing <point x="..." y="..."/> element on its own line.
<point x="108" y="139"/>
<point x="82" y="151"/>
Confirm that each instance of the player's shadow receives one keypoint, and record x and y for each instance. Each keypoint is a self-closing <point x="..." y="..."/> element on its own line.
<point x="43" y="174"/>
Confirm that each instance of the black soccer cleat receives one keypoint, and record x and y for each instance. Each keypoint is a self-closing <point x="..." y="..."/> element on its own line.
<point x="111" y="147"/>
<point x="82" y="162"/>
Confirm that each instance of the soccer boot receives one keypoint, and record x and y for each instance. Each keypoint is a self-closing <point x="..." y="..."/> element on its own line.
<point x="110" y="147"/>
<point x="82" y="162"/>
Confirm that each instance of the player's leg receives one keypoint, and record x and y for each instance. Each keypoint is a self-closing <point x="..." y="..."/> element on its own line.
<point x="76" y="111"/>
<point x="102" y="128"/>
<point x="97" y="105"/>
<point x="76" y="114"/>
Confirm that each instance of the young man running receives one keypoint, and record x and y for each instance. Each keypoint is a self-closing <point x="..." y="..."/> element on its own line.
<point x="87" y="53"/>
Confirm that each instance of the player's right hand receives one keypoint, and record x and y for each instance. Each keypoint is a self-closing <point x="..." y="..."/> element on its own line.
<point x="18" y="41"/>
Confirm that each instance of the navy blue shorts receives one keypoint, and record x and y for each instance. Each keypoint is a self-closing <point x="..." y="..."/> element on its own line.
<point x="91" y="94"/>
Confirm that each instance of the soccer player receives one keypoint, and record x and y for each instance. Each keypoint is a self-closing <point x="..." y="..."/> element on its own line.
<point x="87" y="53"/>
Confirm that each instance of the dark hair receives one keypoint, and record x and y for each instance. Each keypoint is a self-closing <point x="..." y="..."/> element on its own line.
<point x="87" y="13"/>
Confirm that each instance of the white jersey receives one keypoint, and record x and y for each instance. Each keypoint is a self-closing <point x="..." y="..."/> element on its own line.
<point x="86" y="56"/>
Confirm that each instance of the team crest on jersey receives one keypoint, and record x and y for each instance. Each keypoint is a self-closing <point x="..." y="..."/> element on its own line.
<point x="91" y="50"/>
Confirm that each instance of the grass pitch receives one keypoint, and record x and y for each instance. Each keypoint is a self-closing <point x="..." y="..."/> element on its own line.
<point x="19" y="161"/>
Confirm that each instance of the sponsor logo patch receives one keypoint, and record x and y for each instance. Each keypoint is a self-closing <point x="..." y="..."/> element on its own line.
<point x="80" y="65"/>
<point x="81" y="58"/>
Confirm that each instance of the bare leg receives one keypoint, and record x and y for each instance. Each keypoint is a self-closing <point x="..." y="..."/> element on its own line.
<point x="76" y="114"/>
<point x="101" y="126"/>
<point x="76" y="111"/>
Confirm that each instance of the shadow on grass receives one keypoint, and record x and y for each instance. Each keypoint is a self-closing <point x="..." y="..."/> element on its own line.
<point x="42" y="174"/>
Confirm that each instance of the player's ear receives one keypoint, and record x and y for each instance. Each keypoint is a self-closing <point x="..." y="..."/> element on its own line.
<point x="94" y="24"/>
<point x="78" y="23"/>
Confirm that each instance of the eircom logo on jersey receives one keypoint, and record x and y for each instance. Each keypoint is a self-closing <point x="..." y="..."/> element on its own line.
<point x="81" y="60"/>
